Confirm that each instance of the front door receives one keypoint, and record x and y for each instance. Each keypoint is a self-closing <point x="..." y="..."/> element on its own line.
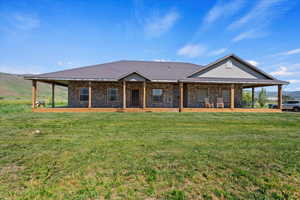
<point x="135" y="98"/>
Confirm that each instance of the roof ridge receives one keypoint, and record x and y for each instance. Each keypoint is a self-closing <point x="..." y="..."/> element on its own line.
<point x="149" y="61"/>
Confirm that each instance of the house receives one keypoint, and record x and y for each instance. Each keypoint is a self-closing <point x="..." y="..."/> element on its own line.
<point x="158" y="86"/>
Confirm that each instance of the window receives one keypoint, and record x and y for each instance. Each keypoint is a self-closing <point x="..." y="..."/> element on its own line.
<point x="84" y="94"/>
<point x="112" y="94"/>
<point x="226" y="95"/>
<point x="157" y="95"/>
<point x="202" y="94"/>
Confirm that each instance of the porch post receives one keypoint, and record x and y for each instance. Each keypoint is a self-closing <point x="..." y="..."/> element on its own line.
<point x="53" y="95"/>
<point x="144" y="94"/>
<point x="34" y="88"/>
<point x="124" y="94"/>
<point x="253" y="94"/>
<point x="232" y="96"/>
<point x="90" y="94"/>
<point x="279" y="97"/>
<point x="180" y="97"/>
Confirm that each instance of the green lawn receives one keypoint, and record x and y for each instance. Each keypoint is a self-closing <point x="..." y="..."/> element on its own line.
<point x="148" y="155"/>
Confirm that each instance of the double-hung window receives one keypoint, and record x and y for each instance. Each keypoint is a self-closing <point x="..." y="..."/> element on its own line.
<point x="157" y="95"/>
<point x="112" y="94"/>
<point x="226" y="95"/>
<point x="84" y="94"/>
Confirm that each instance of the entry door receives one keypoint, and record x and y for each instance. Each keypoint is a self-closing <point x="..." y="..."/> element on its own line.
<point x="135" y="98"/>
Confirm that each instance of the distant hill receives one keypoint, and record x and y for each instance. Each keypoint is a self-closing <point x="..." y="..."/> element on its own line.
<point x="294" y="94"/>
<point x="273" y="94"/>
<point x="15" y="87"/>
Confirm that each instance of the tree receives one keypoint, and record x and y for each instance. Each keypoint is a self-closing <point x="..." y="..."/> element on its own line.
<point x="247" y="98"/>
<point x="262" y="97"/>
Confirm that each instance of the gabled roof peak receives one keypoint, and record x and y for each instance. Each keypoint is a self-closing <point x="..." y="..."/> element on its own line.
<point x="131" y="73"/>
<point x="210" y="65"/>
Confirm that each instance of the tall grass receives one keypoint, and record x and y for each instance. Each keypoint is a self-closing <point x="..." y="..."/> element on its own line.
<point x="17" y="106"/>
<point x="14" y="106"/>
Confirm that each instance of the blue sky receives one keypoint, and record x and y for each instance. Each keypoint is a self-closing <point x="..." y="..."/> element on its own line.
<point x="39" y="36"/>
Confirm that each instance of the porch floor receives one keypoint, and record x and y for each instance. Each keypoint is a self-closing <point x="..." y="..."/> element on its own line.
<point x="67" y="109"/>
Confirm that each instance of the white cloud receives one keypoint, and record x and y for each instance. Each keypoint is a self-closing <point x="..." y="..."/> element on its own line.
<point x="195" y="50"/>
<point x="294" y="81"/>
<point x="282" y="71"/>
<point x="221" y="10"/>
<point x="261" y="14"/>
<point x="160" y="60"/>
<point x="158" y="25"/>
<point x="25" y="21"/>
<point x="218" y="52"/>
<point x="296" y="65"/>
<point x="250" y="34"/>
<point x="253" y="62"/>
<point x="65" y="64"/>
<point x="191" y="50"/>
<point x="290" y="52"/>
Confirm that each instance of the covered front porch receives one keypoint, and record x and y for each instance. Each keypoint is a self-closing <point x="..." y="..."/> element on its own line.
<point x="146" y="96"/>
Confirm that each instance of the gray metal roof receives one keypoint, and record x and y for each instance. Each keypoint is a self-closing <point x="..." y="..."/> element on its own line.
<point x="164" y="71"/>
<point x="152" y="71"/>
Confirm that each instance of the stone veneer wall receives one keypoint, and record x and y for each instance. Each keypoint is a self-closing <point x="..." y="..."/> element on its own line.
<point x="73" y="94"/>
<point x="99" y="94"/>
<point x="170" y="94"/>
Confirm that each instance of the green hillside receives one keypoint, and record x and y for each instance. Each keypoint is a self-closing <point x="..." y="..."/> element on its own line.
<point x="15" y="87"/>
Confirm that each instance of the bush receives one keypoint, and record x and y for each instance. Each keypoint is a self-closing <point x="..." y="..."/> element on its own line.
<point x="262" y="98"/>
<point x="247" y="99"/>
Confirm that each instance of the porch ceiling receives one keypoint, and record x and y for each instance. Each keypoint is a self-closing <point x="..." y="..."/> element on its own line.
<point x="56" y="82"/>
<point x="247" y="83"/>
<point x="234" y="81"/>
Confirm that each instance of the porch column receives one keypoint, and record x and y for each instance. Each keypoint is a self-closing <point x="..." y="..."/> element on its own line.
<point x="253" y="94"/>
<point x="124" y="94"/>
<point x="232" y="96"/>
<point x="180" y="97"/>
<point x="53" y="95"/>
<point x="279" y="97"/>
<point x="34" y="88"/>
<point x="90" y="94"/>
<point x="144" y="94"/>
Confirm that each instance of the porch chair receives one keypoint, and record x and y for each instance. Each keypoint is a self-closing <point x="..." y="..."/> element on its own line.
<point x="207" y="104"/>
<point x="40" y="103"/>
<point x="220" y="102"/>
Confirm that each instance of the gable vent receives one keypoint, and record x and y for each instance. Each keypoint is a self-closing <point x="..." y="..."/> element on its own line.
<point x="229" y="64"/>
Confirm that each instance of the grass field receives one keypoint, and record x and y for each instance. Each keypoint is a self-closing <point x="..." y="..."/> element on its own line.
<point x="148" y="155"/>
